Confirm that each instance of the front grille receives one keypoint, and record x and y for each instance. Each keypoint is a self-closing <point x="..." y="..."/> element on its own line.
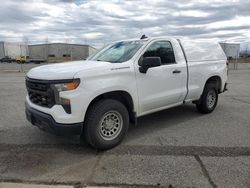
<point x="40" y="92"/>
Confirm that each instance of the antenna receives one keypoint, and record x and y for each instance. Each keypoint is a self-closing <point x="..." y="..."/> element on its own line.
<point x="143" y="36"/>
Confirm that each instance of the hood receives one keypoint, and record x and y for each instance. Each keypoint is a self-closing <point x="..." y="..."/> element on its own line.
<point x="61" y="71"/>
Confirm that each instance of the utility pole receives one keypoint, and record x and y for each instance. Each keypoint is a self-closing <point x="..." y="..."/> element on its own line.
<point x="46" y="51"/>
<point x="247" y="49"/>
<point x="25" y="43"/>
<point x="70" y="52"/>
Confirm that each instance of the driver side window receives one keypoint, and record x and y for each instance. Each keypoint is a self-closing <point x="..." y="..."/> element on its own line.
<point x="162" y="49"/>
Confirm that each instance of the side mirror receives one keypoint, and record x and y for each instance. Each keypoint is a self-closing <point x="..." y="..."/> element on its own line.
<point x="147" y="62"/>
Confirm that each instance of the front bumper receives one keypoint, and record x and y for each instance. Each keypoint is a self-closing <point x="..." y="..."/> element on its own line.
<point x="47" y="123"/>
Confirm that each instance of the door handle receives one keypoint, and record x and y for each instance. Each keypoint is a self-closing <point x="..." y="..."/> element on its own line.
<point x="176" y="71"/>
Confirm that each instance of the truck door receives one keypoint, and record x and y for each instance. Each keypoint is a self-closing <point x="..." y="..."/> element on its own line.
<point x="164" y="85"/>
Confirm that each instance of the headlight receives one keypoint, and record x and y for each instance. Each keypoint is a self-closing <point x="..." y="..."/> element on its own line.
<point x="64" y="86"/>
<point x="67" y="86"/>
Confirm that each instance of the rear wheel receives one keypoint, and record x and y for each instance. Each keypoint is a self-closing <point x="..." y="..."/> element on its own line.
<point x="208" y="100"/>
<point x="106" y="124"/>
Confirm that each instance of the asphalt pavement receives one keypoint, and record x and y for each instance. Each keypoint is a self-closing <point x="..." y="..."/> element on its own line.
<point x="178" y="147"/>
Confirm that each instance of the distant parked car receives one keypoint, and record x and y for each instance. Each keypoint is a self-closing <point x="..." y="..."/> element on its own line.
<point x="7" y="59"/>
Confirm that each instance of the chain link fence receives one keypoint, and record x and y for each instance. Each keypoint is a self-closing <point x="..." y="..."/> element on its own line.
<point x="16" y="67"/>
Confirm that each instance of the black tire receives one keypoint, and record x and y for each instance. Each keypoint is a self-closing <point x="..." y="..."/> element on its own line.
<point x="97" y="120"/>
<point x="206" y="104"/>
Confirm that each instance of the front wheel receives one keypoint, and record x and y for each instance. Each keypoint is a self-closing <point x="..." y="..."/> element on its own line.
<point x="208" y="99"/>
<point x="106" y="124"/>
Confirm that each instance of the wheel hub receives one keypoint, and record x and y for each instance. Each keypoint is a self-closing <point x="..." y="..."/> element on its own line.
<point x="211" y="99"/>
<point x="111" y="125"/>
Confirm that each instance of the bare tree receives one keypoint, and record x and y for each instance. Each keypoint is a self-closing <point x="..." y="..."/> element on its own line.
<point x="26" y="43"/>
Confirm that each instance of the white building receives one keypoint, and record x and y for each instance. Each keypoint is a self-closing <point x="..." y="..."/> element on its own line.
<point x="13" y="49"/>
<point x="58" y="52"/>
<point x="232" y="50"/>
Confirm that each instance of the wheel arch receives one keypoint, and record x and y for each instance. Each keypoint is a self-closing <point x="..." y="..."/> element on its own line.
<point x="120" y="95"/>
<point x="216" y="79"/>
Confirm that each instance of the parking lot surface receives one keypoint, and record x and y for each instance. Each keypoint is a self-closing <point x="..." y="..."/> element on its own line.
<point x="178" y="147"/>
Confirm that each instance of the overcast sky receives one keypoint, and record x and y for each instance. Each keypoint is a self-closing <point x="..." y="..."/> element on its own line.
<point x="98" y="22"/>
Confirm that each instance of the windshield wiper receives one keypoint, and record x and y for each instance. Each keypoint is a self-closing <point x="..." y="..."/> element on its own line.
<point x="107" y="61"/>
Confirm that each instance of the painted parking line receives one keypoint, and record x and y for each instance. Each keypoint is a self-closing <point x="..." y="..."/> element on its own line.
<point x="22" y="185"/>
<point x="25" y="185"/>
<point x="100" y="187"/>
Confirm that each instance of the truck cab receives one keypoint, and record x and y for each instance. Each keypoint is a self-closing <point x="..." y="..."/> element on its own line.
<point x="99" y="98"/>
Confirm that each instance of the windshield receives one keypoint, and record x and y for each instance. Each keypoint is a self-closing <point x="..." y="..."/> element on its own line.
<point x="118" y="52"/>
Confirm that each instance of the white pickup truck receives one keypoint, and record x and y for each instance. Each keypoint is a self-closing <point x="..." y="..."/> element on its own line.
<point x="99" y="98"/>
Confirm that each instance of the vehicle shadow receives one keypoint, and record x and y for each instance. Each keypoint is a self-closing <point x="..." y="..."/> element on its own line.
<point x="146" y="126"/>
<point x="151" y="123"/>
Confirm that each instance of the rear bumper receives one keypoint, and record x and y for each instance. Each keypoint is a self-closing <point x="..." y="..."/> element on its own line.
<point x="46" y="123"/>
